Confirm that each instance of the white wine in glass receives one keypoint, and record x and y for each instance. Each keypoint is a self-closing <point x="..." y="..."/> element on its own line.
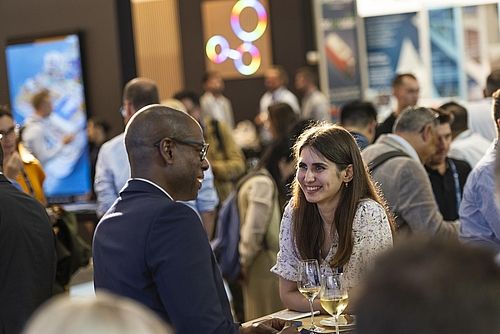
<point x="333" y="296"/>
<point x="309" y="283"/>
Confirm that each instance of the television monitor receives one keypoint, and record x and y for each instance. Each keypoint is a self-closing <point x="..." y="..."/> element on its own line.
<point x="54" y="63"/>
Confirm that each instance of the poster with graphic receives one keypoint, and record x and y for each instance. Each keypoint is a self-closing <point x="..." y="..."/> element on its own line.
<point x="54" y="63"/>
<point x="340" y="47"/>
<point x="476" y="47"/>
<point x="446" y="80"/>
<point x="392" y="45"/>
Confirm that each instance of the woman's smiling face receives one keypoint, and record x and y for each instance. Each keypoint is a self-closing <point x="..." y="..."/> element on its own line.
<point x="318" y="177"/>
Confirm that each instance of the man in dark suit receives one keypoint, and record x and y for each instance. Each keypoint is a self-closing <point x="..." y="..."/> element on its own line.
<point x="153" y="249"/>
<point x="27" y="256"/>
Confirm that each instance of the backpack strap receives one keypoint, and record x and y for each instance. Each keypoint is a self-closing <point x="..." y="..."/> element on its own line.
<point x="372" y="165"/>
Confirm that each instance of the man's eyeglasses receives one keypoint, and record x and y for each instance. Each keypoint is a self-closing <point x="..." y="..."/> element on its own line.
<point x="203" y="147"/>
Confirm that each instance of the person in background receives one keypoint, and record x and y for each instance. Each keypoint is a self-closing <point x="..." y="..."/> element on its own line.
<point x="27" y="255"/>
<point x="406" y="90"/>
<point x="225" y="157"/>
<point x="43" y="138"/>
<point x="360" y="119"/>
<point x="335" y="216"/>
<point x="97" y="133"/>
<point x="403" y="178"/>
<point x="213" y="102"/>
<point x="112" y="168"/>
<point x="315" y="104"/>
<point x="275" y="81"/>
<point x="480" y="120"/>
<point x="479" y="212"/>
<point x="165" y="262"/>
<point x="466" y="145"/>
<point x="447" y="175"/>
<point x="282" y="119"/>
<point x="433" y="287"/>
<point x="20" y="165"/>
<point x="103" y="314"/>
<point x="260" y="216"/>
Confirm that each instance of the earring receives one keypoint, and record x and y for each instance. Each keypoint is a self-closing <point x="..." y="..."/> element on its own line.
<point x="346" y="184"/>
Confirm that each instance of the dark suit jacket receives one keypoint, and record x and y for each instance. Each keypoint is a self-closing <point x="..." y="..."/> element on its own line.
<point x="27" y="257"/>
<point x="154" y="250"/>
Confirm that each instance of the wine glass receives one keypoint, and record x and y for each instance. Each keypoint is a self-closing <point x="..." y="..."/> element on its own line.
<point x="334" y="297"/>
<point x="309" y="283"/>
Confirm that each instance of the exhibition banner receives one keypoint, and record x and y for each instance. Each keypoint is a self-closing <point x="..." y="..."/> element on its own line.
<point x="338" y="37"/>
<point x="445" y="58"/>
<point x="392" y="45"/>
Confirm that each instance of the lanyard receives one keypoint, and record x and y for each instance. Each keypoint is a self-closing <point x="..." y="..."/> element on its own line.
<point x="458" y="193"/>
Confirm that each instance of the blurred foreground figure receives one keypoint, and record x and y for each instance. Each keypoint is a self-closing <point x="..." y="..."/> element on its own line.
<point x="432" y="287"/>
<point x="105" y="314"/>
<point x="27" y="255"/>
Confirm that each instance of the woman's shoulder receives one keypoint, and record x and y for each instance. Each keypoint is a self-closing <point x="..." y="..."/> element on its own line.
<point x="369" y="204"/>
<point x="369" y="210"/>
<point x="288" y="211"/>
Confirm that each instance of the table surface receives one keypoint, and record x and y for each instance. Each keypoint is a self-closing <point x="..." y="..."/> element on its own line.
<point x="306" y="323"/>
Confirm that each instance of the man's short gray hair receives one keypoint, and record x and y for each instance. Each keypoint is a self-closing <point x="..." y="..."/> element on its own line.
<point x="413" y="119"/>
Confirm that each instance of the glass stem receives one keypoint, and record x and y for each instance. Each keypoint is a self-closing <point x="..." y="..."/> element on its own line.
<point x="312" y="313"/>
<point x="336" y="324"/>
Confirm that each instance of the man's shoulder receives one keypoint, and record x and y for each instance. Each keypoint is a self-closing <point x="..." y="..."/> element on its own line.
<point x="383" y="145"/>
<point x="461" y="165"/>
<point x="119" y="139"/>
<point x="112" y="145"/>
<point x="482" y="106"/>
<point x="396" y="164"/>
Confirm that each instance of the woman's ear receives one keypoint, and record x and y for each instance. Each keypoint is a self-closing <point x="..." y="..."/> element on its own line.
<point x="348" y="173"/>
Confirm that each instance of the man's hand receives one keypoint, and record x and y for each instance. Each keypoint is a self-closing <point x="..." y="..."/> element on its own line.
<point x="68" y="139"/>
<point x="270" y="326"/>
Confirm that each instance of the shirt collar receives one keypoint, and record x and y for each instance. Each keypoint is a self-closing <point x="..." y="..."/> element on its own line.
<point x="153" y="184"/>
<point x="406" y="146"/>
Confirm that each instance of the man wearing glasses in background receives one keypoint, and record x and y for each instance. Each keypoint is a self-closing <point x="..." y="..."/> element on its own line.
<point x="151" y="248"/>
<point x="112" y="168"/>
<point x="403" y="179"/>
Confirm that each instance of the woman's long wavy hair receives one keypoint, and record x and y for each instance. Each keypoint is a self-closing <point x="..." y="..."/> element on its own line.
<point x="337" y="145"/>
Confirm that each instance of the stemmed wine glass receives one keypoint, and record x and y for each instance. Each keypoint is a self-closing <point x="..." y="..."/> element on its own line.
<point x="334" y="297"/>
<point x="309" y="283"/>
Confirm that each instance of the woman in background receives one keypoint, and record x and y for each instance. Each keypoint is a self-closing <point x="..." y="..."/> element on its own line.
<point x="260" y="216"/>
<point x="20" y="166"/>
<point x="334" y="216"/>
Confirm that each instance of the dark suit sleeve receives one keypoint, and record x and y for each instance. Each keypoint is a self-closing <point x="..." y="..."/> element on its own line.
<point x="185" y="273"/>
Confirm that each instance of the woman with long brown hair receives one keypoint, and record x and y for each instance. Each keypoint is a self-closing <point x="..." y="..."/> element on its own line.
<point x="335" y="215"/>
